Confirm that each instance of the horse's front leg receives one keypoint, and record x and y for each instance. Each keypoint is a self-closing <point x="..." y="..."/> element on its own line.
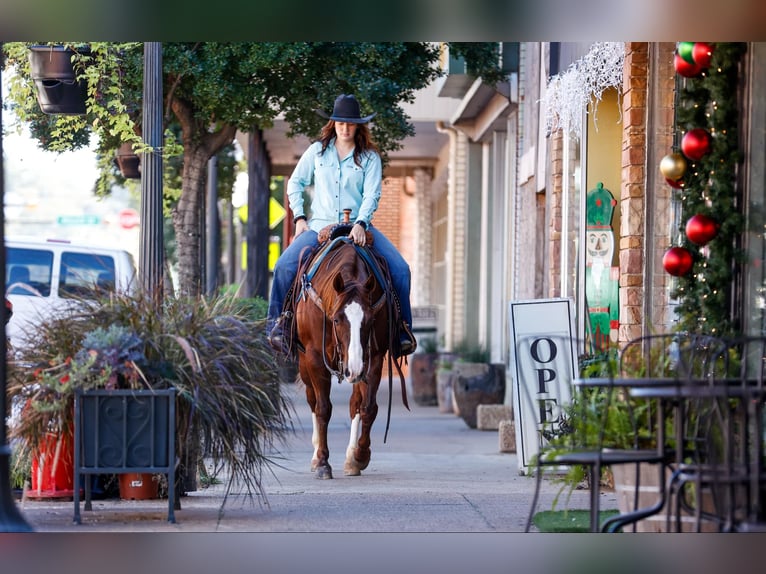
<point x="318" y="396"/>
<point x="362" y="416"/>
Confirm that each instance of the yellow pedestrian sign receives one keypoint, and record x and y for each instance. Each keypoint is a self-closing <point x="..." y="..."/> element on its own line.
<point x="276" y="213"/>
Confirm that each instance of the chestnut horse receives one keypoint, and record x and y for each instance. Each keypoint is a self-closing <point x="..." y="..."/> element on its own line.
<point x="342" y="313"/>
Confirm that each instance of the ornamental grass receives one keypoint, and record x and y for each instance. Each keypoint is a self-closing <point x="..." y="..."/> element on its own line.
<point x="230" y="406"/>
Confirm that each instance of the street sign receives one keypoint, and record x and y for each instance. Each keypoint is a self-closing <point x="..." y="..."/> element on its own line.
<point x="78" y="220"/>
<point x="276" y="213"/>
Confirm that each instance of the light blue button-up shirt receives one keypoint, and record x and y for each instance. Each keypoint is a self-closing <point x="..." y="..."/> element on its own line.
<point x="338" y="185"/>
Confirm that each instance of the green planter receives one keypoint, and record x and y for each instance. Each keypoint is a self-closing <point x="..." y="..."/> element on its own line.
<point x="124" y="431"/>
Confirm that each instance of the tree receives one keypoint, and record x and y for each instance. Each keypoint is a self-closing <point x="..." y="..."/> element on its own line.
<point x="212" y="90"/>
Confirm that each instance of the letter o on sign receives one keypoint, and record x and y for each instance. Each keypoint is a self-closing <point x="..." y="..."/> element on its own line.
<point x="546" y="353"/>
<point x="129" y="218"/>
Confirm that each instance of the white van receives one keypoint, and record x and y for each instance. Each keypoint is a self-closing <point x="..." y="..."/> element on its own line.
<point x="44" y="275"/>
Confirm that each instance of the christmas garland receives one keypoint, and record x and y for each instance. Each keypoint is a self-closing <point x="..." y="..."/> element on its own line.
<point x="709" y="252"/>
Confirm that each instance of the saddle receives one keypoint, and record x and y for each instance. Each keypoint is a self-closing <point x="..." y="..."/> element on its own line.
<point x="309" y="262"/>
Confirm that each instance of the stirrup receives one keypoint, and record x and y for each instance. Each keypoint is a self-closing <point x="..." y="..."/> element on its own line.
<point x="277" y="336"/>
<point x="407" y="341"/>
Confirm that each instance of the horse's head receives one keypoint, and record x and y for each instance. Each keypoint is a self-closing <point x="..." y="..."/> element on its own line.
<point x="342" y="317"/>
<point x="352" y="319"/>
<point x="352" y="316"/>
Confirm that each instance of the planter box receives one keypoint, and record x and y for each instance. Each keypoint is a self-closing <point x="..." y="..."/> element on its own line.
<point x="124" y="431"/>
<point x="477" y="384"/>
<point x="423" y="378"/>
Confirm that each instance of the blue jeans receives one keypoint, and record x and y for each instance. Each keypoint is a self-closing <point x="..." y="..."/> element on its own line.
<point x="287" y="267"/>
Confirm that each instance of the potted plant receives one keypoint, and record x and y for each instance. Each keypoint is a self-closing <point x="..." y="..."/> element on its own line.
<point x="476" y="381"/>
<point x="423" y="372"/>
<point x="59" y="89"/>
<point x="128" y="162"/>
<point x="444" y="376"/>
<point x="209" y="350"/>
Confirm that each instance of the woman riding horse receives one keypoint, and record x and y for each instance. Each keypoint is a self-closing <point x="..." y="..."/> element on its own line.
<point x="346" y="171"/>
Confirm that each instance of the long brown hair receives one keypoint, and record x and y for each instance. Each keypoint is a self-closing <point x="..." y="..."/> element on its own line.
<point x="362" y="140"/>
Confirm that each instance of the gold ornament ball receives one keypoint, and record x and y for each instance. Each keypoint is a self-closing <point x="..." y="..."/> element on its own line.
<point x="673" y="166"/>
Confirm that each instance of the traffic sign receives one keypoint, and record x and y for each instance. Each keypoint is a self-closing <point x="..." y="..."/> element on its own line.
<point x="276" y="213"/>
<point x="129" y="218"/>
<point x="78" y="220"/>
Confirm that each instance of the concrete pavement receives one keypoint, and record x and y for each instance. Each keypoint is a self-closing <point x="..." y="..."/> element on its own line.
<point x="433" y="475"/>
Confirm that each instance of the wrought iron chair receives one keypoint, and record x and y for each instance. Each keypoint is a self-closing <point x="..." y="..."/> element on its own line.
<point x="578" y="435"/>
<point x="724" y="459"/>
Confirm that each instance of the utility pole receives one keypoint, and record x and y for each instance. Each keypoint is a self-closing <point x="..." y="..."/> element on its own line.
<point x="151" y="237"/>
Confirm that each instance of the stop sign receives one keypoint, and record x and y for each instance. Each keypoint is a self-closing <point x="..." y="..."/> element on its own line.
<point x="129" y="218"/>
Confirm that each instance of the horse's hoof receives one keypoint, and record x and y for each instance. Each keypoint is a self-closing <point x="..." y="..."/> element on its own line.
<point x="351" y="470"/>
<point x="324" y="472"/>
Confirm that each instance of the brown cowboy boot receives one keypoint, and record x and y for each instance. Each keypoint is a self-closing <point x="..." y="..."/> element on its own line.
<point x="277" y="335"/>
<point x="407" y="342"/>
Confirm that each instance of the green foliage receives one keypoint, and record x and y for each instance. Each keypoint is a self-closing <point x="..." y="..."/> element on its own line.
<point x="711" y="102"/>
<point x="471" y="352"/>
<point x="568" y="520"/>
<point x="21" y="468"/>
<point x="428" y="345"/>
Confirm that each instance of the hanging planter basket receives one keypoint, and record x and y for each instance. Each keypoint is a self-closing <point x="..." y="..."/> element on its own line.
<point x="58" y="89"/>
<point x="128" y="162"/>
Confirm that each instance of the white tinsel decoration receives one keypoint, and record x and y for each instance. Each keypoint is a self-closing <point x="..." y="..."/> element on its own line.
<point x="568" y="94"/>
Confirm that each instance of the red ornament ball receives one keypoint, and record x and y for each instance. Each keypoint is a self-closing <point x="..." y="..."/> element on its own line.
<point x="702" y="53"/>
<point x="675" y="183"/>
<point x="700" y="229"/>
<point x="677" y="261"/>
<point x="685" y="68"/>
<point x="696" y="143"/>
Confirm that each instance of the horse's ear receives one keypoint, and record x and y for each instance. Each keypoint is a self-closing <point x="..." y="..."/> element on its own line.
<point x="338" y="284"/>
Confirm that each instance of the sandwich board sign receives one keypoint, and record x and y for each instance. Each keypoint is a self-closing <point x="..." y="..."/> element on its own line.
<point x="543" y="359"/>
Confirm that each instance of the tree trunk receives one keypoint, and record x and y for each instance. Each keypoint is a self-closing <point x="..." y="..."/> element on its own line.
<point x="199" y="146"/>
<point x="187" y="221"/>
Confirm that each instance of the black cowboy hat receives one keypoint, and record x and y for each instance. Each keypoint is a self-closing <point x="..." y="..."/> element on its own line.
<point x="346" y="109"/>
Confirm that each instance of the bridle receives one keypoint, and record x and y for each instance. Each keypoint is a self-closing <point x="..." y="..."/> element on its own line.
<point x="308" y="290"/>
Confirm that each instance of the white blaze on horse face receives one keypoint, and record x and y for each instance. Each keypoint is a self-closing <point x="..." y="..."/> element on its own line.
<point x="355" y="314"/>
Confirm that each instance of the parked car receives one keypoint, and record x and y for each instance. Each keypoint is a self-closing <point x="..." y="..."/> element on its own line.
<point x="47" y="275"/>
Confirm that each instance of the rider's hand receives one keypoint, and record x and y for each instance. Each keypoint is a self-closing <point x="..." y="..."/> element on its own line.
<point x="300" y="226"/>
<point x="358" y="235"/>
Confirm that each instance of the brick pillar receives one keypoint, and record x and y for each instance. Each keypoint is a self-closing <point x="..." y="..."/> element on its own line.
<point x="645" y="225"/>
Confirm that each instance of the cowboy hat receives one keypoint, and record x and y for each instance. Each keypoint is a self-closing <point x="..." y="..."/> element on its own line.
<point x="346" y="109"/>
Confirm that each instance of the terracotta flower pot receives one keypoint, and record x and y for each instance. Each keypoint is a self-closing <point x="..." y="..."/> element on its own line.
<point x="138" y="486"/>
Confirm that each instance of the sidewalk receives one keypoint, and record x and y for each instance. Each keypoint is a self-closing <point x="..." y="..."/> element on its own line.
<point x="433" y="475"/>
